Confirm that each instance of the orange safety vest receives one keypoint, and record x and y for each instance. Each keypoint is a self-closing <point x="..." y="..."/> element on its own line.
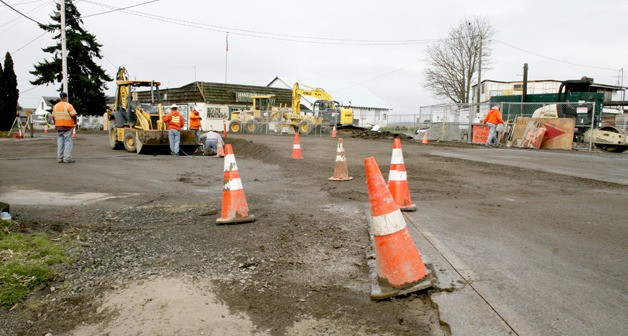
<point x="175" y="120"/>
<point x="195" y="120"/>
<point x="62" y="114"/>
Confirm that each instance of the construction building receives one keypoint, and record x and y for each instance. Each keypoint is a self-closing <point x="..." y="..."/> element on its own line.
<point x="215" y="101"/>
<point x="492" y="88"/>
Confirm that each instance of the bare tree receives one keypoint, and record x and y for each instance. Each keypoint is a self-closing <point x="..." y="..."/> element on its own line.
<point x="454" y="61"/>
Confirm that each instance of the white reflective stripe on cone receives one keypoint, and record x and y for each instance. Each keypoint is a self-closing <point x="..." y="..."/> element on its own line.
<point x="296" y="146"/>
<point x="388" y="224"/>
<point x="230" y="163"/>
<point x="340" y="158"/>
<point x="397" y="175"/>
<point x="397" y="156"/>
<point x="235" y="184"/>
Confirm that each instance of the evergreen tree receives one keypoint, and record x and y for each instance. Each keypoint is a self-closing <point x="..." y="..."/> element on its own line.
<point x="2" y="126"/>
<point x="9" y="94"/>
<point x="86" y="80"/>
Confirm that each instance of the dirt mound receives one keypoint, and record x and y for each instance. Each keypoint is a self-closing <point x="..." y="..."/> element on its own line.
<point x="367" y="134"/>
<point x="251" y="150"/>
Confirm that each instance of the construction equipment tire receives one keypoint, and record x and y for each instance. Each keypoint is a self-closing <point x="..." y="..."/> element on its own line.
<point x="252" y="126"/>
<point x="235" y="126"/>
<point x="612" y="148"/>
<point x="305" y="127"/>
<point x="113" y="140"/>
<point x="130" y="143"/>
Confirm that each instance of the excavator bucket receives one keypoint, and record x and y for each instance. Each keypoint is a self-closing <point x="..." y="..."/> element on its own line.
<point x="156" y="142"/>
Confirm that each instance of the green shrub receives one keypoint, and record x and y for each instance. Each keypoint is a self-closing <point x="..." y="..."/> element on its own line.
<point x="25" y="262"/>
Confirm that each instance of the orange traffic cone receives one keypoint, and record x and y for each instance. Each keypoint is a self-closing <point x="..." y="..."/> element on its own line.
<point x="399" y="268"/>
<point x="424" y="141"/>
<point x="46" y="128"/>
<point x="234" y="207"/>
<point x="296" y="148"/>
<point x="341" y="171"/>
<point x="74" y="133"/>
<point x="220" y="152"/>
<point x="397" y="179"/>
<point x="333" y="132"/>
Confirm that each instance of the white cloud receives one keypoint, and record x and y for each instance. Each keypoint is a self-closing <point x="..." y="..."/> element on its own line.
<point x="579" y="32"/>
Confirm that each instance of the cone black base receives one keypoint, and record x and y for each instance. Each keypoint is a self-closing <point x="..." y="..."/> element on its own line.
<point x="380" y="292"/>
<point x="238" y="220"/>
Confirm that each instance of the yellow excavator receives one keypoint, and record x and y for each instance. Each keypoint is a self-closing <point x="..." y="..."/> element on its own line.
<point x="265" y="115"/>
<point x="139" y="127"/>
<point x="326" y="111"/>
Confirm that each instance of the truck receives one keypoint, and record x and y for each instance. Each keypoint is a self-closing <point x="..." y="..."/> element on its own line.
<point x="138" y="127"/>
<point x="610" y="138"/>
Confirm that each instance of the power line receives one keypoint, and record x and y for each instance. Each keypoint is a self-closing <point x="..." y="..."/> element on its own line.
<point x="556" y="60"/>
<point x="523" y="14"/>
<point x="33" y="40"/>
<point x="266" y="35"/>
<point x="581" y="19"/>
<point x="17" y="11"/>
<point x="118" y="9"/>
<point x="29" y="12"/>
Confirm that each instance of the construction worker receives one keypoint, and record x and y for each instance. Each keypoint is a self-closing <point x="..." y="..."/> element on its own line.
<point x="175" y="122"/>
<point x="195" y="122"/>
<point x="64" y="117"/>
<point x="493" y="118"/>
<point x="211" y="140"/>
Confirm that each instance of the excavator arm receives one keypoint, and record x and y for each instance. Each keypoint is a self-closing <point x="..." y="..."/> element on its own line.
<point x="298" y="92"/>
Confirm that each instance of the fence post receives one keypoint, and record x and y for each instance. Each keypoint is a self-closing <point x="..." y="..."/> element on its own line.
<point x="592" y="126"/>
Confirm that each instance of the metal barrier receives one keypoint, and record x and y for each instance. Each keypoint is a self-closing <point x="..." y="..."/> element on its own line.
<point x="454" y="122"/>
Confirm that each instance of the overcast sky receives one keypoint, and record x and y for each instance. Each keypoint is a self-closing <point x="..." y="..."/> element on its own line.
<point x="180" y="41"/>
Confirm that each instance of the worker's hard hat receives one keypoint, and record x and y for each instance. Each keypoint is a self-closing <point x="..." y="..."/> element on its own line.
<point x="174" y="107"/>
<point x="494" y="107"/>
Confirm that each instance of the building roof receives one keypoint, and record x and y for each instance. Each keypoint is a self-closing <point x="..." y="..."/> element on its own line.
<point x="217" y="93"/>
<point x="597" y="85"/>
<point x="50" y="101"/>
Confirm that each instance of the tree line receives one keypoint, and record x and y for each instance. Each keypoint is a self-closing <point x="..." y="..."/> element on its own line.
<point x="86" y="79"/>
<point x="451" y="65"/>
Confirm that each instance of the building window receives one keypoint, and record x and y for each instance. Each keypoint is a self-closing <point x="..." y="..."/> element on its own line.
<point x="517" y="87"/>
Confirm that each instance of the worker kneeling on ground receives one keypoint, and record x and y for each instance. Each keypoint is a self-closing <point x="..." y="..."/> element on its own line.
<point x="210" y="141"/>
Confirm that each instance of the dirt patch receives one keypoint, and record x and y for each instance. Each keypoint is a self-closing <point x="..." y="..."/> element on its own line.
<point x="151" y="257"/>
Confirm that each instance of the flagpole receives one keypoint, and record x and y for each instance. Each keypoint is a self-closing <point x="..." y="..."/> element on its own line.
<point x="226" y="53"/>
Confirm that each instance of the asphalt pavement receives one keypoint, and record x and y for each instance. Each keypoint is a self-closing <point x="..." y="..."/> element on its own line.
<point x="503" y="275"/>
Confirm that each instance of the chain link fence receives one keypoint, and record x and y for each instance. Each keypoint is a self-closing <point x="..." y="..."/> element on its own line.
<point x="454" y="122"/>
<point x="277" y="123"/>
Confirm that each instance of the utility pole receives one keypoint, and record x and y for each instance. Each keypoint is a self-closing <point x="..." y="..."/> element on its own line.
<point x="64" y="56"/>
<point x="477" y="98"/>
<point x="524" y="94"/>
<point x="226" y="53"/>
<point x="623" y="93"/>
